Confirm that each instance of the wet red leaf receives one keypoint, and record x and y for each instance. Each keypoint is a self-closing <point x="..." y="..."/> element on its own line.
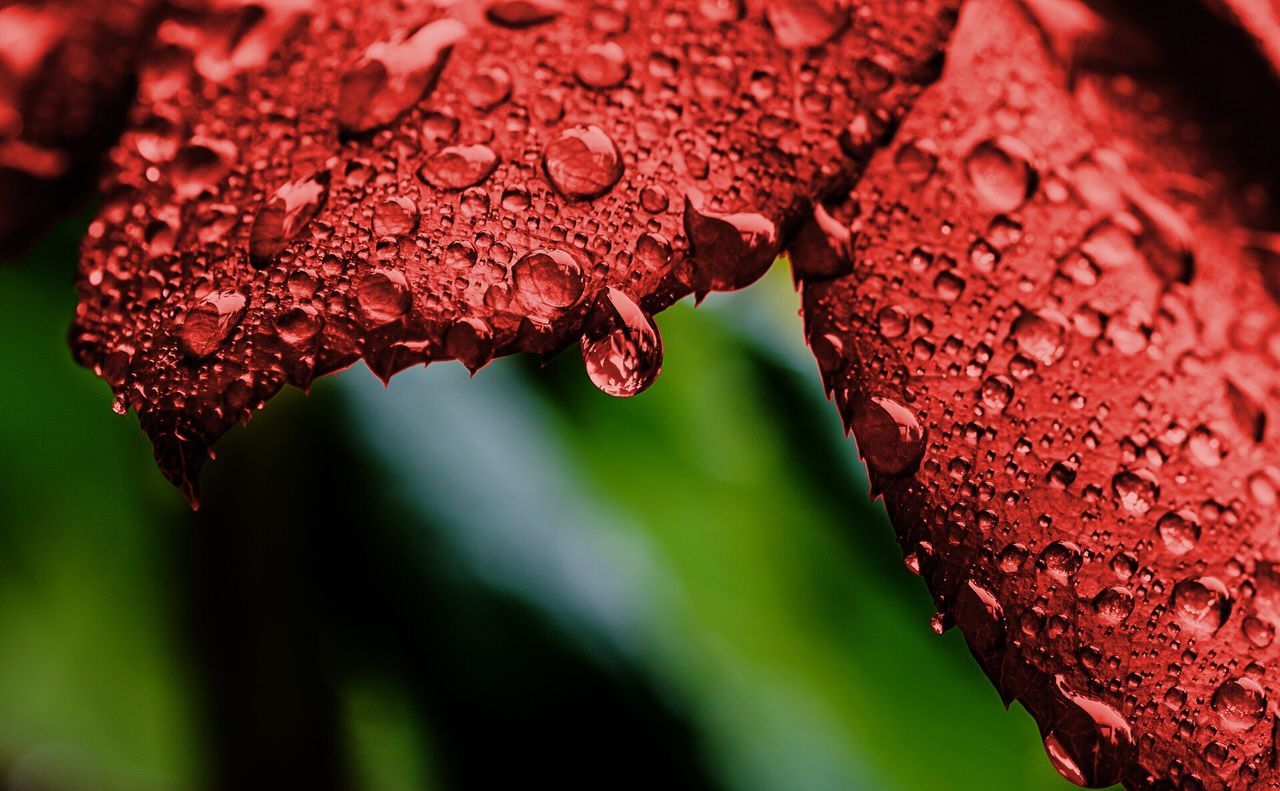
<point x="66" y="76"/>
<point x="307" y="184"/>
<point x="1047" y="314"/>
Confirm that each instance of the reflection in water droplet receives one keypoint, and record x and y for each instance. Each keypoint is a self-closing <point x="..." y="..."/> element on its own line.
<point x="1090" y="743"/>
<point x="626" y="357"/>
<point x="1179" y="530"/>
<point x="1240" y="703"/>
<point x="284" y="214"/>
<point x="458" y="167"/>
<point x="583" y="163"/>
<point x="889" y="436"/>
<point x="1201" y="604"/>
<point x="1136" y="490"/>
<point x="210" y="322"/>
<point x="394" y="75"/>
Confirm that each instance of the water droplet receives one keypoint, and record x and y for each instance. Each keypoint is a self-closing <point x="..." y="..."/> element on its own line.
<point x="394" y="75"/>
<point x="201" y="165"/>
<point x="298" y="326"/>
<point x="1090" y="743"/>
<point x="1040" y="336"/>
<point x="626" y="357"/>
<point x="889" y="436"/>
<point x="470" y="341"/>
<point x="523" y="13"/>
<point x="208" y="325"/>
<point x="1179" y="530"/>
<point x="1136" y="490"/>
<point x="1062" y="559"/>
<point x="1240" y="703"/>
<point x="729" y="251"/>
<point x="458" y="167"/>
<point x="548" y="280"/>
<point x="395" y="216"/>
<point x="382" y="297"/>
<point x="997" y="392"/>
<point x="583" y="163"/>
<point x="916" y="160"/>
<point x="800" y="24"/>
<point x="1201" y="604"/>
<point x="488" y="88"/>
<point x="1113" y="605"/>
<point x="603" y="66"/>
<point x="284" y="214"/>
<point x="1001" y="173"/>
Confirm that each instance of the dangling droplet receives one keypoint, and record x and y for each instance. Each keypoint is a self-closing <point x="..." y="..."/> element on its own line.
<point x="625" y="356"/>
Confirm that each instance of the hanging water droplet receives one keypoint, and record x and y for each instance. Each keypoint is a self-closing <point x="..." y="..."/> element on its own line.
<point x="284" y="214"/>
<point x="889" y="436"/>
<point x="624" y="355"/>
<point x="470" y="341"/>
<point x="729" y="251"/>
<point x="583" y="163"/>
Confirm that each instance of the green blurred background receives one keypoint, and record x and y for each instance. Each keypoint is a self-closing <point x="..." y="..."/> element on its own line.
<point x="462" y="583"/>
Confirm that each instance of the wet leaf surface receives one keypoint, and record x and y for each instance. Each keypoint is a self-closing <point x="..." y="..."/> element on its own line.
<point x="304" y="185"/>
<point x="66" y="76"/>
<point x="1047" y="315"/>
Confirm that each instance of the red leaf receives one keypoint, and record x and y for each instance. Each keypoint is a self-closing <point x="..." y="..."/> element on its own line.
<point x="66" y="71"/>
<point x="306" y="185"/>
<point x="1057" y="349"/>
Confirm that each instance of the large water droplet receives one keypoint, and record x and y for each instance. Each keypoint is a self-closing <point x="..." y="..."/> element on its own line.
<point x="394" y="75"/>
<point x="799" y="24"/>
<point x="523" y="13"/>
<point x="201" y="165"/>
<point x="1001" y="173"/>
<point x="1240" y="703"/>
<point x="729" y="251"/>
<point x="624" y="356"/>
<point x="284" y="214"/>
<point x="1090" y="743"/>
<point x="1136" y="490"/>
<point x="1179" y="530"/>
<point x="382" y="297"/>
<point x="458" y="167"/>
<point x="602" y="66"/>
<point x="1201" y="604"/>
<point x="548" y="280"/>
<point x="1039" y="336"/>
<point x="889" y="436"/>
<point x="210" y="322"/>
<point x="583" y="163"/>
